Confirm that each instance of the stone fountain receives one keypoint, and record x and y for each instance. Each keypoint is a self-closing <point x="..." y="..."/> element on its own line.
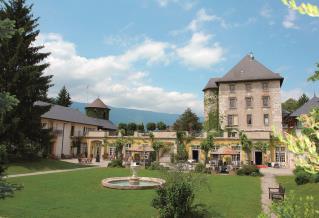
<point x="134" y="182"/>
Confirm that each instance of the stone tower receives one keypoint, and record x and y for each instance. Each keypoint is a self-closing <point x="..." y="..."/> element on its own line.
<point x="97" y="109"/>
<point x="210" y="97"/>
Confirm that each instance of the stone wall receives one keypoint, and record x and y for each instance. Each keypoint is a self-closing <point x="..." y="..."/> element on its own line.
<point x="210" y="101"/>
<point x="257" y="130"/>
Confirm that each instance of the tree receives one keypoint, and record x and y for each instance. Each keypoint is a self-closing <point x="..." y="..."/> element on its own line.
<point x="246" y="144"/>
<point x="315" y="76"/>
<point x="188" y="121"/>
<point x="150" y="126"/>
<point x="22" y="74"/>
<point x="140" y="127"/>
<point x="305" y="146"/>
<point x="122" y="126"/>
<point x="157" y="146"/>
<point x="181" y="140"/>
<point x="131" y="128"/>
<point x="176" y="198"/>
<point x="207" y="145"/>
<point x="302" y="100"/>
<point x="290" y="105"/>
<point x="161" y="126"/>
<point x="63" y="98"/>
<point x="309" y="9"/>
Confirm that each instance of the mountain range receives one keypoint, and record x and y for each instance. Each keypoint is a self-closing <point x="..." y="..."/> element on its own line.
<point x="126" y="115"/>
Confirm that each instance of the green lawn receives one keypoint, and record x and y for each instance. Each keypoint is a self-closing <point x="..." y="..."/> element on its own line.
<point x="40" y="165"/>
<point x="301" y="190"/>
<point x="79" y="194"/>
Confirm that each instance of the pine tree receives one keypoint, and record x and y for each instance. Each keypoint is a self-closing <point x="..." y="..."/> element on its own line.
<point x="188" y="121"/>
<point x="63" y="98"/>
<point x="22" y="74"/>
<point x="302" y="99"/>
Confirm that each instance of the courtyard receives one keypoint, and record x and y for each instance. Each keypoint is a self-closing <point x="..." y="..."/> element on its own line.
<point x="80" y="194"/>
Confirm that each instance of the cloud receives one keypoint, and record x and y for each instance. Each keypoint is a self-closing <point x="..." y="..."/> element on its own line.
<point x="289" y="20"/>
<point x="119" y="80"/>
<point x="202" y="17"/>
<point x="267" y="13"/>
<point x="185" y="4"/>
<point x="198" y="54"/>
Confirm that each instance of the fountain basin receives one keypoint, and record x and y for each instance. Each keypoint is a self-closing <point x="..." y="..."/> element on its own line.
<point x="125" y="183"/>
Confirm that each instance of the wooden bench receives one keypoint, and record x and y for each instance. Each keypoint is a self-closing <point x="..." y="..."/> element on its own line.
<point x="277" y="193"/>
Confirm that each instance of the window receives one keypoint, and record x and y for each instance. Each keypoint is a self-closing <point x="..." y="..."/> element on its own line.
<point x="265" y="86"/>
<point x="72" y="130"/>
<point x="127" y="146"/>
<point x="231" y="134"/>
<point x="266" y="100"/>
<point x="232" y="102"/>
<point x="235" y="157"/>
<point x="232" y="88"/>
<point x="112" y="151"/>
<point x="232" y="120"/>
<point x="280" y="154"/>
<point x="266" y="119"/>
<point x="44" y="125"/>
<point x="249" y="120"/>
<point x="249" y="102"/>
<point x="248" y="87"/>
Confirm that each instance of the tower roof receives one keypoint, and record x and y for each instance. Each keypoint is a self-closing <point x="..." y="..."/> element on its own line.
<point x="97" y="103"/>
<point x="307" y="107"/>
<point x="249" y="69"/>
<point x="211" y="84"/>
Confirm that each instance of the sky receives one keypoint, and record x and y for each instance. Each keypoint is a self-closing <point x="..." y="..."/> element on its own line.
<point x="159" y="54"/>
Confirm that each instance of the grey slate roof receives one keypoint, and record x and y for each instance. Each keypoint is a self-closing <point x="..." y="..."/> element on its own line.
<point x="249" y="69"/>
<point x="307" y="107"/>
<point x="97" y="103"/>
<point x="211" y="84"/>
<point x="58" y="112"/>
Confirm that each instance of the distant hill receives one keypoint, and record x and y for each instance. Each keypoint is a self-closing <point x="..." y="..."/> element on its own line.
<point x="125" y="115"/>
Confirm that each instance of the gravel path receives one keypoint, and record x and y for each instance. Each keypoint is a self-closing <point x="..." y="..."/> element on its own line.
<point x="51" y="171"/>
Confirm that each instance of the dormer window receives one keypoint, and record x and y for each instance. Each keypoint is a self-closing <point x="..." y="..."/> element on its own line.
<point x="232" y="88"/>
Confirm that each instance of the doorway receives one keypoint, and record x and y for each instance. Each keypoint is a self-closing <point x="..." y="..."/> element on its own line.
<point x="258" y="157"/>
<point x="195" y="155"/>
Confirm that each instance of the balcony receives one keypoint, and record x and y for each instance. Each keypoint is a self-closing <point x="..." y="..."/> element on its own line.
<point x="96" y="134"/>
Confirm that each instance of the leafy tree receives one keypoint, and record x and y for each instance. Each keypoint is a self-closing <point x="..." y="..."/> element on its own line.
<point x="119" y="145"/>
<point x="157" y="146"/>
<point x="188" y="121"/>
<point x="176" y="198"/>
<point x="207" y="145"/>
<point x="140" y="127"/>
<point x="22" y="74"/>
<point x="122" y="126"/>
<point x="305" y="146"/>
<point x="131" y="128"/>
<point x="315" y="76"/>
<point x="161" y="126"/>
<point x="181" y="140"/>
<point x="304" y="8"/>
<point x="290" y="105"/>
<point x="302" y="99"/>
<point x="63" y="98"/>
<point x="246" y="144"/>
<point x="150" y="126"/>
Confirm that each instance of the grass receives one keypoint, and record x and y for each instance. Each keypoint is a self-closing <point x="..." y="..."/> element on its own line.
<point x="310" y="189"/>
<point x="79" y="194"/>
<point x="40" y="165"/>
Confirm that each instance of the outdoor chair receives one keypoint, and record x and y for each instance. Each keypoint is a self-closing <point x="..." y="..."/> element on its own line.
<point x="277" y="193"/>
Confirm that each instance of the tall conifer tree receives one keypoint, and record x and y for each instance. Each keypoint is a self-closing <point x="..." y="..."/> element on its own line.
<point x="22" y="66"/>
<point x="63" y="98"/>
